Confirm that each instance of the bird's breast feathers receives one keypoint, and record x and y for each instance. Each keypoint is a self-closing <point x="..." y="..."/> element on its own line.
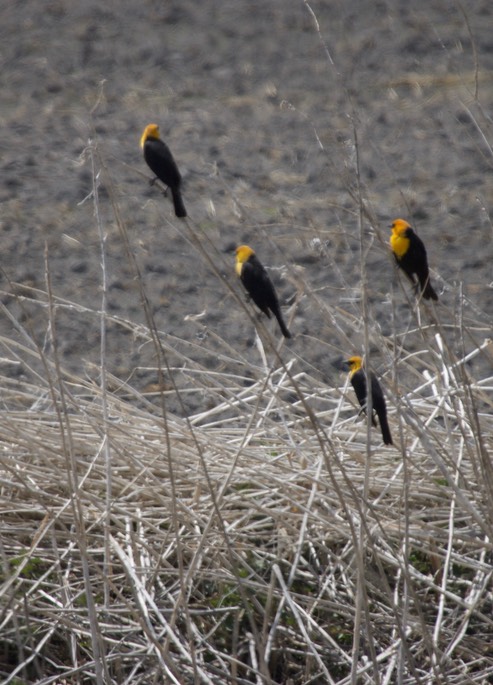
<point x="399" y="244"/>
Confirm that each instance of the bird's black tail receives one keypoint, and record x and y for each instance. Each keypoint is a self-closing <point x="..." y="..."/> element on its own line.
<point x="282" y="325"/>
<point x="427" y="290"/>
<point x="180" y="210"/>
<point x="384" y="427"/>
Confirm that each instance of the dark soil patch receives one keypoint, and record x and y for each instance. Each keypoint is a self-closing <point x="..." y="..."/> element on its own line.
<point x="263" y="126"/>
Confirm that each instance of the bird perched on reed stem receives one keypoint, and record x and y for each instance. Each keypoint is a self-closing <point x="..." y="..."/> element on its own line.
<point x="161" y="162"/>
<point x="258" y="285"/>
<point x="410" y="254"/>
<point x="357" y="377"/>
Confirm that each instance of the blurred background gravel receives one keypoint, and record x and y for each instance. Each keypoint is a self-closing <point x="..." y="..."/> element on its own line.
<point x="261" y="113"/>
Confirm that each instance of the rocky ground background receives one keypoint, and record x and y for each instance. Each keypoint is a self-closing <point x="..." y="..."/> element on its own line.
<point x="270" y="109"/>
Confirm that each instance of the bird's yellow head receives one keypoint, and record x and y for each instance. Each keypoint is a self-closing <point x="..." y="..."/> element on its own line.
<point x="151" y="131"/>
<point x="399" y="227"/>
<point x="243" y="254"/>
<point x="355" y="363"/>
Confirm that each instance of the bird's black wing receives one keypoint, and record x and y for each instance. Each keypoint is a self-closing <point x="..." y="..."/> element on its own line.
<point x="380" y="409"/>
<point x="160" y="160"/>
<point x="258" y="285"/>
<point x="358" y="381"/>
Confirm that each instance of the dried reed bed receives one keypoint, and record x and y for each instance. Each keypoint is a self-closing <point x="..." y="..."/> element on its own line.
<point x="269" y="538"/>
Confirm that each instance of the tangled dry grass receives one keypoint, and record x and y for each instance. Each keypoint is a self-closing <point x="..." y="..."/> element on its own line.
<point x="270" y="538"/>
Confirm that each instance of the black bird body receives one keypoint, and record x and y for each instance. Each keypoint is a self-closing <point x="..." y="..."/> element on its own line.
<point x="161" y="162"/>
<point x="410" y="255"/>
<point x="258" y="285"/>
<point x="358" y="381"/>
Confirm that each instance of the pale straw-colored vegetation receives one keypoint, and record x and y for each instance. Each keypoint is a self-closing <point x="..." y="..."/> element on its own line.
<point x="270" y="538"/>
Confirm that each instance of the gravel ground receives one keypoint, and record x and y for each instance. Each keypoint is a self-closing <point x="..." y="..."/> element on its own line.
<point x="269" y="119"/>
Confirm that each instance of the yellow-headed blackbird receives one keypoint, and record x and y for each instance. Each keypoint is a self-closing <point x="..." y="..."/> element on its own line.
<point x="160" y="160"/>
<point x="258" y="284"/>
<point x="410" y="254"/>
<point x="358" y="381"/>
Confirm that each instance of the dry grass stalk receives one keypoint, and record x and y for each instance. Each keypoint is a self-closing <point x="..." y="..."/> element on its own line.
<point x="243" y="565"/>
